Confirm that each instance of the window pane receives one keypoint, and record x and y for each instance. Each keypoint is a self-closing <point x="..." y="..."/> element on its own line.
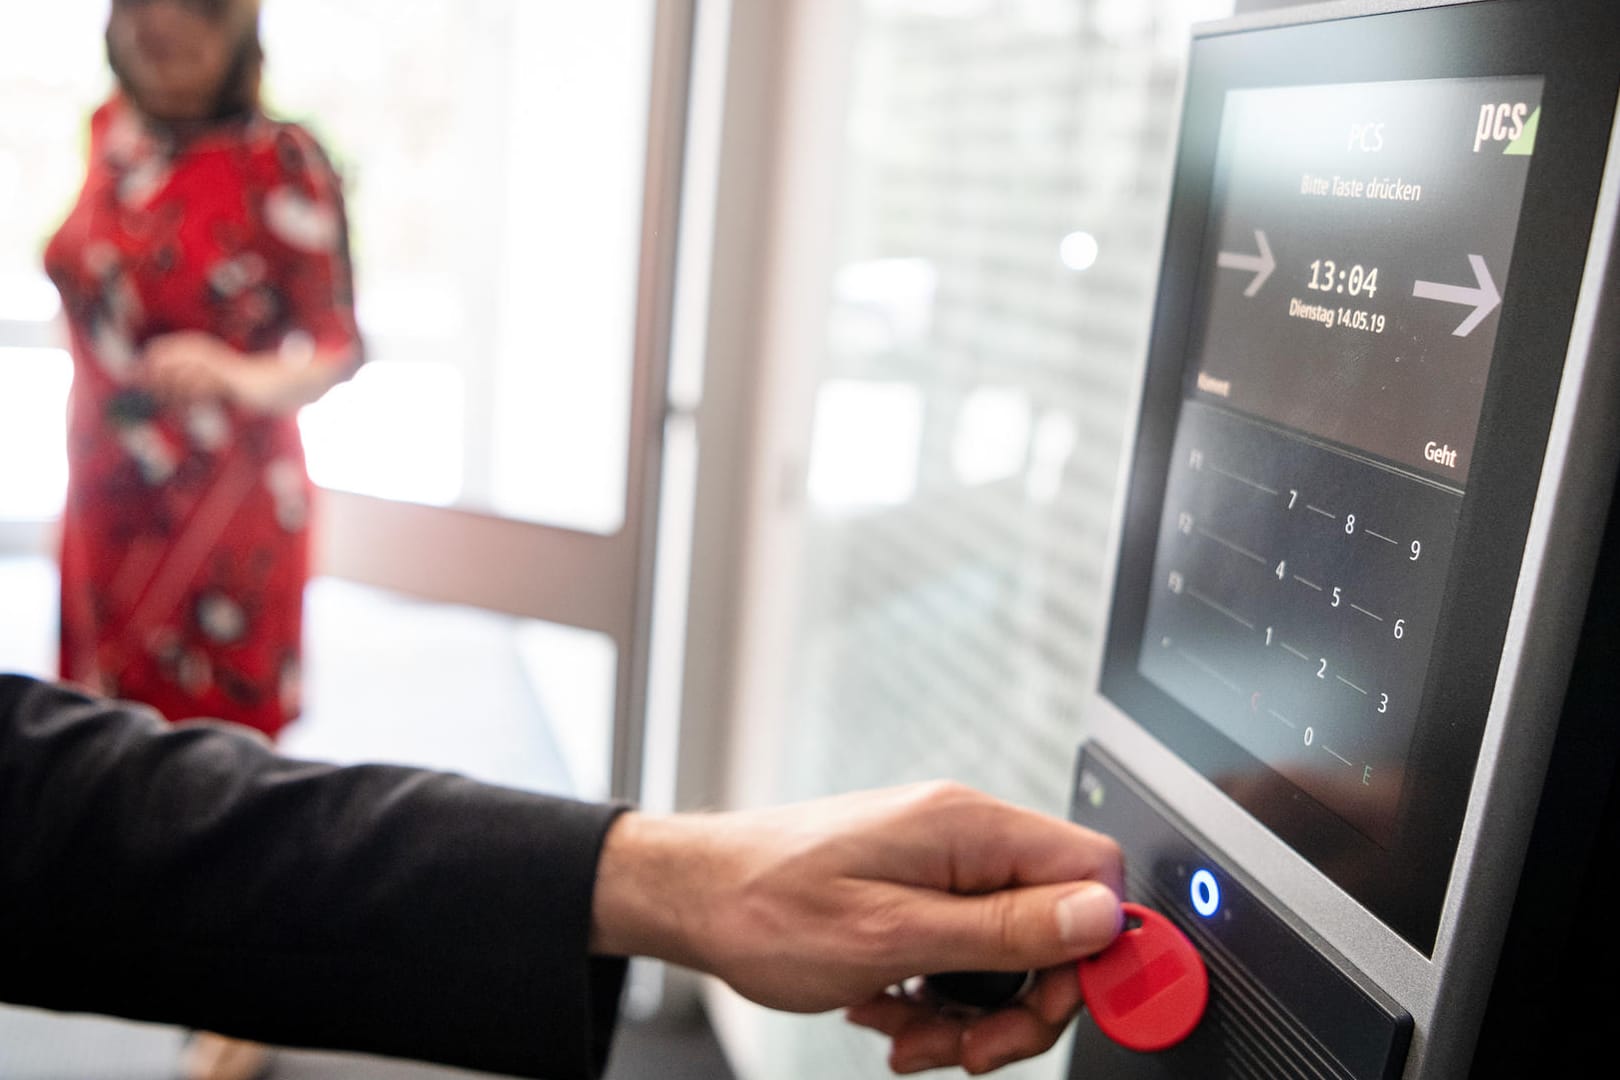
<point x="33" y="432"/>
<point x="52" y="74"/>
<point x="394" y="431"/>
<point x="493" y="154"/>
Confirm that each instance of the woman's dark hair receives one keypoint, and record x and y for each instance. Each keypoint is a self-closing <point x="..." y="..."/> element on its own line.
<point x="239" y="89"/>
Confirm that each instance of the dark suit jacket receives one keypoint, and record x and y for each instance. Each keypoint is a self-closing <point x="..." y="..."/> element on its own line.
<point x="188" y="875"/>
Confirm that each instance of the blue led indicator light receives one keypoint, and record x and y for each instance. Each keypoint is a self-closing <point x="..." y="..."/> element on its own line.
<point x="1206" y="895"/>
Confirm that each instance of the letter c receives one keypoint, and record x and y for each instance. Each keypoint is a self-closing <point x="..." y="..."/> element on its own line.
<point x="1503" y="111"/>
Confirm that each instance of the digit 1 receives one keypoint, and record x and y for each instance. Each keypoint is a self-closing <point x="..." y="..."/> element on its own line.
<point x="1268" y="635"/>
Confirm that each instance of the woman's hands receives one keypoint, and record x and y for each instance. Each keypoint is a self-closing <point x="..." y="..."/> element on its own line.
<point x="831" y="903"/>
<point x="190" y="366"/>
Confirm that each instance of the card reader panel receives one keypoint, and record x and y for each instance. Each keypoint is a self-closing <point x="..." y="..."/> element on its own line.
<point x="1282" y="1003"/>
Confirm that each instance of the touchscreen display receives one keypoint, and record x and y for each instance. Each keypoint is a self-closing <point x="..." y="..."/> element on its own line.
<point x="1354" y="264"/>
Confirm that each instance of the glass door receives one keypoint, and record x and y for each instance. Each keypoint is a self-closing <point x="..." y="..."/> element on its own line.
<point x="514" y="219"/>
<point x="512" y="178"/>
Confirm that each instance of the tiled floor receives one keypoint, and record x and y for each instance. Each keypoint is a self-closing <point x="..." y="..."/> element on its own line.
<point x="389" y="679"/>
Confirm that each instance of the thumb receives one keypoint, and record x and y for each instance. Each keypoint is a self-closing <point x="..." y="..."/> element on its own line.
<point x="1036" y="926"/>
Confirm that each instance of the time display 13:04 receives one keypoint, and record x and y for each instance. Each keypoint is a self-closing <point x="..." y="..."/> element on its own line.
<point x="1357" y="280"/>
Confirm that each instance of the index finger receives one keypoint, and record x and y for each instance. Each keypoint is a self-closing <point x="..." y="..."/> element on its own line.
<point x="996" y="845"/>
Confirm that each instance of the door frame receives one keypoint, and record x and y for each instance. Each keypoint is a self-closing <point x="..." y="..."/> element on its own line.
<point x="601" y="583"/>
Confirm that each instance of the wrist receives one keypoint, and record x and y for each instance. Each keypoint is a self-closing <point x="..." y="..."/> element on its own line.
<point x="651" y="884"/>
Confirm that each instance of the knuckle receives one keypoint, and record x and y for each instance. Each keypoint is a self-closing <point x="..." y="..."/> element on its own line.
<point x="943" y="795"/>
<point x="1110" y="860"/>
<point x="1005" y="932"/>
<point x="877" y="933"/>
<point x="1109" y="853"/>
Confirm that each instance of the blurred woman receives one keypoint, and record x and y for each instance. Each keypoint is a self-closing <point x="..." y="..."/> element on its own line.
<point x="205" y="277"/>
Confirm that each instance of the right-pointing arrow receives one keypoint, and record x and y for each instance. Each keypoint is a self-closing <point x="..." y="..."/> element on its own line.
<point x="1260" y="265"/>
<point x="1483" y="299"/>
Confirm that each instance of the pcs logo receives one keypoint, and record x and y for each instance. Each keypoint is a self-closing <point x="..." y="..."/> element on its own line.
<point x="1512" y="122"/>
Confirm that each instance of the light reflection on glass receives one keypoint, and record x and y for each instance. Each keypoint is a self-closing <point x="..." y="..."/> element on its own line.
<point x="1078" y="250"/>
<point x="991" y="440"/>
<point x="865" y="444"/>
<point x="1050" y="450"/>
<point x="881" y="305"/>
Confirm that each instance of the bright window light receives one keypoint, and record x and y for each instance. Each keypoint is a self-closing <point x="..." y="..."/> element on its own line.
<point x="33" y="433"/>
<point x="393" y="431"/>
<point x="28" y="297"/>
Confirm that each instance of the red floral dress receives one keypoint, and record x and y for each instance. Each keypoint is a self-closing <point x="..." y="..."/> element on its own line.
<point x="185" y="535"/>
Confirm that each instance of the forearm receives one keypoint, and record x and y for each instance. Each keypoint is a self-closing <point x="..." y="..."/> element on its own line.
<point x="285" y="380"/>
<point x="191" y="365"/>
<point x="191" y="876"/>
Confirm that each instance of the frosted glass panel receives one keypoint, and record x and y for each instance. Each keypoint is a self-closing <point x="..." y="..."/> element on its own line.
<point x="1003" y="188"/>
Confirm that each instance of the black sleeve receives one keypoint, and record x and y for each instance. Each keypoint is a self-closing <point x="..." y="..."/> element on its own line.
<point x="190" y="876"/>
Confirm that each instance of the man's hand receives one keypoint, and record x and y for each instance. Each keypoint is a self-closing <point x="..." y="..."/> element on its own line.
<point x="828" y="904"/>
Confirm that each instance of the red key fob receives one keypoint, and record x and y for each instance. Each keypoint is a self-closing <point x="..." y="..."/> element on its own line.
<point x="1148" y="989"/>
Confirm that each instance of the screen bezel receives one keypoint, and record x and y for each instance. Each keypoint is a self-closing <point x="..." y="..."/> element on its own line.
<point x="1403" y="885"/>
